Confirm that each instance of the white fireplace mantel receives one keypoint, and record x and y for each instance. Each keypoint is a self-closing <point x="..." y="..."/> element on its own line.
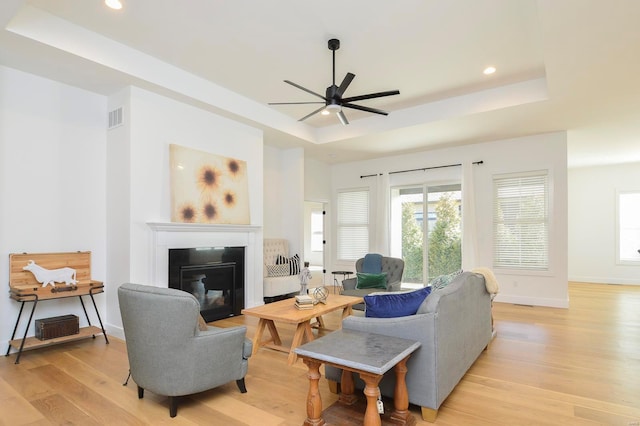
<point x="200" y="227"/>
<point x="167" y="236"/>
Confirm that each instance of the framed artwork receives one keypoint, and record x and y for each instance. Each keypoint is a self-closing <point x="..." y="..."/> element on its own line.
<point x="208" y="188"/>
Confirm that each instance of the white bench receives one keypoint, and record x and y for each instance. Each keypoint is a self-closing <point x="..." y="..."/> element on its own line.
<point x="273" y="287"/>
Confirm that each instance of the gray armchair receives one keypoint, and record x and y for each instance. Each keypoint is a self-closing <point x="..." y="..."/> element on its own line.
<point x="168" y="353"/>
<point x="394" y="267"/>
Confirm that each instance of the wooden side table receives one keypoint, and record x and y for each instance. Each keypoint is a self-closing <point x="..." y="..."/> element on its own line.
<point x="24" y="288"/>
<point x="345" y="275"/>
<point x="368" y="354"/>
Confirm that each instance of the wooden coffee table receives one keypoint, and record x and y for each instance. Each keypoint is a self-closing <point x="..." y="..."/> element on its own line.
<point x="285" y="311"/>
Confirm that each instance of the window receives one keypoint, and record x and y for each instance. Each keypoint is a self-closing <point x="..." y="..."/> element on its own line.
<point x="353" y="224"/>
<point x="317" y="230"/>
<point x="430" y="248"/>
<point x="521" y="221"/>
<point x="628" y="227"/>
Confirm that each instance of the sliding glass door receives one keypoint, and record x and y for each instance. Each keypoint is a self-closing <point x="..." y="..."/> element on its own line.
<point x="425" y="230"/>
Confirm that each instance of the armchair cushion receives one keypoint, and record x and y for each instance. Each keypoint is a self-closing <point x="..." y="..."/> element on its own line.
<point x="349" y="283"/>
<point x="393" y="305"/>
<point x="368" y="280"/>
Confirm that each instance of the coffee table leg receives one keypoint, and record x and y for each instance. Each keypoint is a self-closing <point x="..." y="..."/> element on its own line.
<point x="314" y="401"/>
<point x="372" y="392"/>
<point x="274" y="332"/>
<point x="347" y="388"/>
<point x="401" y="414"/>
<point x="320" y="322"/>
<point x="303" y="328"/>
<point x="257" y="338"/>
<point x="348" y="310"/>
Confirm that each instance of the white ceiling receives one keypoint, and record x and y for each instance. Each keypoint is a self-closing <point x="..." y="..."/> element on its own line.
<point x="561" y="65"/>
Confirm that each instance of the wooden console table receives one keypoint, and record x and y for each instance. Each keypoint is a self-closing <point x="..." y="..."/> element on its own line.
<point x="370" y="355"/>
<point x="25" y="289"/>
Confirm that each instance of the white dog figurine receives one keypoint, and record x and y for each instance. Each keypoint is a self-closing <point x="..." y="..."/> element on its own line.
<point x="51" y="276"/>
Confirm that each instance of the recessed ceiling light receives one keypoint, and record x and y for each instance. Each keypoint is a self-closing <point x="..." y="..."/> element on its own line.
<point x="113" y="4"/>
<point x="489" y="70"/>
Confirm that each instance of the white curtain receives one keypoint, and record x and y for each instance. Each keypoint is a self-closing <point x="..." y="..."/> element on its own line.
<point x="382" y="214"/>
<point x="469" y="233"/>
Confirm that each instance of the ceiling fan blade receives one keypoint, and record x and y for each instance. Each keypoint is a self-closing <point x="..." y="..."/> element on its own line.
<point x="314" y="112"/>
<point x="371" y="96"/>
<point x="367" y="109"/>
<point x="343" y="118"/>
<point x="294" y="103"/>
<point x="305" y="89"/>
<point x="345" y="83"/>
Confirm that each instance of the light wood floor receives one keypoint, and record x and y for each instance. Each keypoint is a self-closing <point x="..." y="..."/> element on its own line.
<point x="546" y="366"/>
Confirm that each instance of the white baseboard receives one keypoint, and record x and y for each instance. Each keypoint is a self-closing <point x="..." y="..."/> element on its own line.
<point x="534" y="301"/>
<point x="114" y="331"/>
<point x="600" y="280"/>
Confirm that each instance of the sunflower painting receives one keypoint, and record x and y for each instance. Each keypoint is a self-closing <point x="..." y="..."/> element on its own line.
<point x="208" y="188"/>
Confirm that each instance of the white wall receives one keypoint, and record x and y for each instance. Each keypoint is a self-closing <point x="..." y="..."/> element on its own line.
<point x="52" y="180"/>
<point x="523" y="154"/>
<point x="155" y="122"/>
<point x="274" y="195"/>
<point x="317" y="180"/>
<point x="284" y="196"/>
<point x="592" y="228"/>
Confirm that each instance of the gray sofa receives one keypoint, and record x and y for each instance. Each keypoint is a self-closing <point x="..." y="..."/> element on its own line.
<point x="453" y="325"/>
<point x="394" y="267"/>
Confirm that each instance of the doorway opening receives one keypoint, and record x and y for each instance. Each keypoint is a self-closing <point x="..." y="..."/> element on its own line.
<point x="315" y="243"/>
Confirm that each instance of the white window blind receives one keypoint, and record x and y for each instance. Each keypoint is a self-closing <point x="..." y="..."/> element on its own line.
<point x="521" y="221"/>
<point x="353" y="224"/>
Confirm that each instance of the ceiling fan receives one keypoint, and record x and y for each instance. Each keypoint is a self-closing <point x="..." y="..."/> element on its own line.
<point x="333" y="100"/>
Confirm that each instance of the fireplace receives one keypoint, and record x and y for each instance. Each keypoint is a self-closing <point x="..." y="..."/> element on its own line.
<point x="170" y="236"/>
<point x="214" y="275"/>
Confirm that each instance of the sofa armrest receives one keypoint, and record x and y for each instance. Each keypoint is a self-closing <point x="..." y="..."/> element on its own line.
<point x="394" y="286"/>
<point x="349" y="283"/>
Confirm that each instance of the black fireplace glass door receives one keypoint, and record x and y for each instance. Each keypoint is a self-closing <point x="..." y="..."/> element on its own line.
<point x="212" y="285"/>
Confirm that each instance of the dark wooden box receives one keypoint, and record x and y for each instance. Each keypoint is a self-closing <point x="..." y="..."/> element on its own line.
<point x="50" y="328"/>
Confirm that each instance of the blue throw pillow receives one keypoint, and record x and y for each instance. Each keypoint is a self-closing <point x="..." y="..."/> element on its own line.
<point x="395" y="304"/>
<point x="371" y="280"/>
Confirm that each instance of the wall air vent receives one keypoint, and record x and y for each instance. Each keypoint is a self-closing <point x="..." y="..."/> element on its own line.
<point x="115" y="118"/>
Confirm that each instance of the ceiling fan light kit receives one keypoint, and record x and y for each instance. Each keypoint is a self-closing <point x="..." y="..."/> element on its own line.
<point x="333" y="100"/>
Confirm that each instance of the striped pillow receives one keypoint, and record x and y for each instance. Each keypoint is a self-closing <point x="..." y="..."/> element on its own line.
<point x="293" y="262"/>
